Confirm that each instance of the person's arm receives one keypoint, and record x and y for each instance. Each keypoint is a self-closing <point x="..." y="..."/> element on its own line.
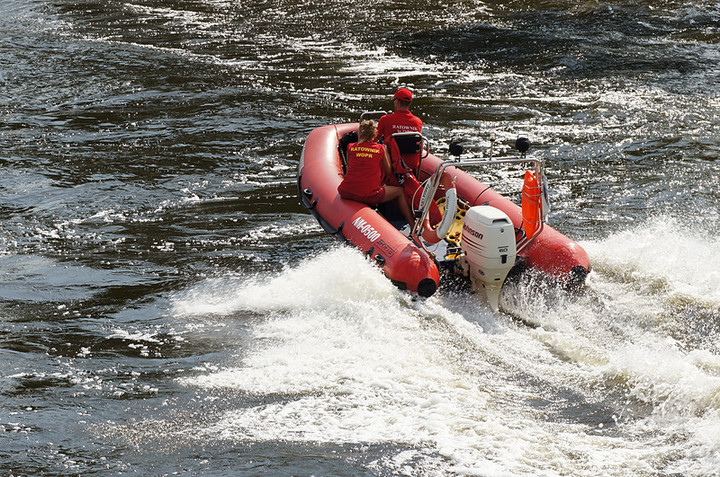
<point x="387" y="165"/>
<point x="380" y="135"/>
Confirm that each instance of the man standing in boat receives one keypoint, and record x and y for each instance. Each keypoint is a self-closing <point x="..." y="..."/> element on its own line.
<point x="401" y="121"/>
<point x="405" y="166"/>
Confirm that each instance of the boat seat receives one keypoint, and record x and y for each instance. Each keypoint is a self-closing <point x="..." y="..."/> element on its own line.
<point x="408" y="143"/>
<point x="411" y="143"/>
<point x="347" y="139"/>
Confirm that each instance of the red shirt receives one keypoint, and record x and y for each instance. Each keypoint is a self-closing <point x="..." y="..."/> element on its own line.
<point x="364" y="170"/>
<point x="400" y="121"/>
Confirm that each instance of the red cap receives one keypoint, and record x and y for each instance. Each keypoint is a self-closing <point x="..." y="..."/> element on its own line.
<point x="403" y="94"/>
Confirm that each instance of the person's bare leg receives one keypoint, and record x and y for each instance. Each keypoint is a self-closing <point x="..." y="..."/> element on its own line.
<point x="397" y="194"/>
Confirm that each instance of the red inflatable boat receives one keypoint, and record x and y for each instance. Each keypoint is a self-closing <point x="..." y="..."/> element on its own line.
<point x="483" y="236"/>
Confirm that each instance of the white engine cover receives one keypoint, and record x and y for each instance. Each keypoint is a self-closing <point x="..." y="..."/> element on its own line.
<point x="488" y="245"/>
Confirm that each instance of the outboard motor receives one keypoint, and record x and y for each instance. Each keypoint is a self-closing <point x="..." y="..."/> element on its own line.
<point x="489" y="251"/>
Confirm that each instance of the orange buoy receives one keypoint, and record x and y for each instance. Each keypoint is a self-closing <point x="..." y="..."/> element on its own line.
<point x="530" y="204"/>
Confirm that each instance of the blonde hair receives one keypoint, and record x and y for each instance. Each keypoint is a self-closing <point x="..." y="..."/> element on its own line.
<point x="367" y="130"/>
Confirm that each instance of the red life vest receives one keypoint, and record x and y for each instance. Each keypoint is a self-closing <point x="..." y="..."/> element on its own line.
<point x="398" y="122"/>
<point x="364" y="169"/>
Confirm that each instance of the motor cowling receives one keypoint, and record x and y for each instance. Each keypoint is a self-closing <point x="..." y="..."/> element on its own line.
<point x="489" y="251"/>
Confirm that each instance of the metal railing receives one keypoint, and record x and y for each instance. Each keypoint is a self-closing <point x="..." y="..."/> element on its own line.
<point x="432" y="184"/>
<point x="371" y="113"/>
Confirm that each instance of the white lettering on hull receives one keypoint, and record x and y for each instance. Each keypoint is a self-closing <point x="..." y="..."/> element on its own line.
<point x="366" y="229"/>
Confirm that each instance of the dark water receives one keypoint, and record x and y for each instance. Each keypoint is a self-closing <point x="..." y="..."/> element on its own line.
<point x="168" y="308"/>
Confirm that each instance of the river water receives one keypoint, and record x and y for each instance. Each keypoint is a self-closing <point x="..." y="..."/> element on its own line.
<point x="168" y="308"/>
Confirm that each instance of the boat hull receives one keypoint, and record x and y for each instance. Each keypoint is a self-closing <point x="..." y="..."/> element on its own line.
<point x="319" y="174"/>
<point x="405" y="263"/>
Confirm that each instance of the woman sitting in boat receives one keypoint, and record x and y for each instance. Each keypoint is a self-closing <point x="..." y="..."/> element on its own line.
<point x="367" y="160"/>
